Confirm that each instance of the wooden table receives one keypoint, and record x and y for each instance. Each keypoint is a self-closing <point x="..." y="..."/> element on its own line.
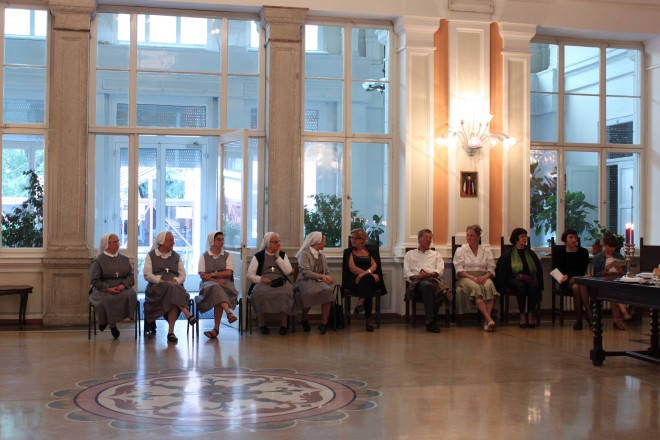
<point x="635" y="294"/>
<point x="18" y="290"/>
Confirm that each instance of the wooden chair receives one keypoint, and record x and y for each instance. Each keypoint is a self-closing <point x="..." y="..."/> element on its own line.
<point x="649" y="256"/>
<point x="458" y="317"/>
<point x="346" y="291"/>
<point x="91" y="320"/>
<point x="506" y="293"/>
<point x="411" y="304"/>
<point x="248" y="303"/>
<point x="557" y="292"/>
<point x="191" y="308"/>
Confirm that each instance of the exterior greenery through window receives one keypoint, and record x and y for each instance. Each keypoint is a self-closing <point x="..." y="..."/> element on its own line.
<point x="585" y="122"/>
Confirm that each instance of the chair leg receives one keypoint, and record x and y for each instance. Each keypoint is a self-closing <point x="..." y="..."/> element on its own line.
<point x="414" y="312"/>
<point x="347" y="309"/>
<point x="553" y="308"/>
<point x="136" y="319"/>
<point x="378" y="309"/>
<point x="447" y="315"/>
<point x="89" y="322"/>
<point x="562" y="299"/>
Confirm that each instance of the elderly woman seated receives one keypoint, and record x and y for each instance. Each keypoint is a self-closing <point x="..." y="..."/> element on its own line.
<point x="165" y="294"/>
<point x="314" y="280"/>
<point x="111" y="276"/>
<point x="475" y="270"/>
<point x="271" y="290"/>
<point x="216" y="287"/>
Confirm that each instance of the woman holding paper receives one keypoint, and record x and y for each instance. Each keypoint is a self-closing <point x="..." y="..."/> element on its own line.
<point x="572" y="261"/>
<point x="610" y="263"/>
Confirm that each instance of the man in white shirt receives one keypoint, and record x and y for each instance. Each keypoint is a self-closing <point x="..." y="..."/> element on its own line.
<point x="423" y="268"/>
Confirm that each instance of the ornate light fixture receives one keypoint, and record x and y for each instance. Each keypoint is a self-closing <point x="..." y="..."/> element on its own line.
<point x="473" y="137"/>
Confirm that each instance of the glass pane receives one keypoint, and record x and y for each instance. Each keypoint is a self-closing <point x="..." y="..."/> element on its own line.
<point x="370" y="54"/>
<point x="232" y="192"/>
<point x="582" y="193"/>
<point x="622" y="70"/>
<point x="242" y="102"/>
<point x="544" y="117"/>
<point x="544" y="68"/>
<point x="24" y="95"/>
<point x="243" y="56"/>
<point x="582" y="69"/>
<point x="25" y="41"/>
<point x="543" y="196"/>
<point x="623" y="171"/>
<point x="253" y="191"/>
<point x="324" y="51"/>
<point x="178" y="100"/>
<point x="370" y="190"/>
<point x="111" y="188"/>
<point x="370" y="109"/>
<point x="623" y="115"/>
<point x="323" y="192"/>
<point x="22" y="190"/>
<point x="111" y="98"/>
<point x="324" y="104"/>
<point x="113" y="46"/>
<point x="581" y="121"/>
<point x="198" y="50"/>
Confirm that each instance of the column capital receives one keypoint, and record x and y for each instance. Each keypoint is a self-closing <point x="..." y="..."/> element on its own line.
<point x="283" y="24"/>
<point x="74" y="15"/>
<point x="516" y="37"/>
<point x="416" y="31"/>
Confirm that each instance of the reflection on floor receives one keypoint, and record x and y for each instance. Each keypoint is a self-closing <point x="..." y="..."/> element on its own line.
<point x="396" y="383"/>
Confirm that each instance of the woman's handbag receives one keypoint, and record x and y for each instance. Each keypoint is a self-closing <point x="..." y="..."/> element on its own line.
<point x="278" y="282"/>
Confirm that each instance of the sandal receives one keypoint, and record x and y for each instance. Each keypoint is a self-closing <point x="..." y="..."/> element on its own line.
<point x="171" y="337"/>
<point x="212" y="334"/>
<point x="192" y="320"/>
<point x="231" y="318"/>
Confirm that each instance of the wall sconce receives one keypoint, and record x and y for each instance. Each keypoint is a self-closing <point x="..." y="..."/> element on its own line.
<point x="473" y="138"/>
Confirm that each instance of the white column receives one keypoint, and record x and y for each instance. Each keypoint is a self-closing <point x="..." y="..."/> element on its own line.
<point x="650" y="177"/>
<point x="515" y="122"/>
<point x="415" y="137"/>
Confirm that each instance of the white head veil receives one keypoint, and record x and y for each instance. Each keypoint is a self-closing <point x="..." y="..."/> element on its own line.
<point x="160" y="239"/>
<point x="210" y="240"/>
<point x="311" y="239"/>
<point x="266" y="240"/>
<point x="103" y="244"/>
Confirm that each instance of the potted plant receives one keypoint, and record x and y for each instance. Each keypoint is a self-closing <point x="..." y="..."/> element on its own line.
<point x="597" y="232"/>
<point x="23" y="226"/>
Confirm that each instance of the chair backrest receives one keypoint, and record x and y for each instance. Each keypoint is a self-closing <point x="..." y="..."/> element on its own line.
<point x="346" y="274"/>
<point x="649" y="256"/>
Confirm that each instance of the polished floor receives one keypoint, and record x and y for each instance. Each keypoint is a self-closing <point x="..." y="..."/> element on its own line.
<point x="397" y="383"/>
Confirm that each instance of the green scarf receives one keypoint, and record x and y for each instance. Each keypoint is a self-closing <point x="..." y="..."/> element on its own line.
<point x="516" y="262"/>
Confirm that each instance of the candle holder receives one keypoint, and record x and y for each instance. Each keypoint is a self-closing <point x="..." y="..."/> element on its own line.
<point x="629" y="254"/>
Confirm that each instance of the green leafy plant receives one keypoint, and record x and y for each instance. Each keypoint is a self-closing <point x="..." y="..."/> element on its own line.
<point x="543" y="206"/>
<point x="23" y="226"/>
<point x="375" y="230"/>
<point x="598" y="232"/>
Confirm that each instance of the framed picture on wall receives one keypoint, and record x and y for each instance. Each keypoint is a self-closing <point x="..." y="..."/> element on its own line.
<point x="469" y="184"/>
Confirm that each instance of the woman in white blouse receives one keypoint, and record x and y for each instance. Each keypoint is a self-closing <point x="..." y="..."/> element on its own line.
<point x="475" y="269"/>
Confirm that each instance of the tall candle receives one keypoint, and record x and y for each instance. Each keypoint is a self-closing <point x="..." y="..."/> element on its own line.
<point x="628" y="233"/>
<point x="632" y="234"/>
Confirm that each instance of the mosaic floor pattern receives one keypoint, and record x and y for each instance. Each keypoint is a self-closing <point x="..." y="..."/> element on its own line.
<point x="214" y="400"/>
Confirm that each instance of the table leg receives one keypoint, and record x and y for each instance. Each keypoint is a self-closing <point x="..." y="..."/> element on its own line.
<point x="22" y="310"/>
<point x="597" y="354"/>
<point x="655" y="346"/>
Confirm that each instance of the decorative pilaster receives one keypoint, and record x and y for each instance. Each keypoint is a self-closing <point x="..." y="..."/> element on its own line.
<point x="67" y="263"/>
<point x="416" y="126"/>
<point x="284" y="55"/>
<point x="515" y="121"/>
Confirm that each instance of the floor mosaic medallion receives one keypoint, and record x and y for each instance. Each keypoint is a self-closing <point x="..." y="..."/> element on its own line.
<point x="214" y="400"/>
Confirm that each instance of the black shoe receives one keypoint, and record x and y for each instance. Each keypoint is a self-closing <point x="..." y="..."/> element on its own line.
<point x="152" y="327"/>
<point x="283" y="331"/>
<point x="306" y="326"/>
<point x="115" y="332"/>
<point x="522" y="325"/>
<point x="264" y="330"/>
<point x="432" y="328"/>
<point x="358" y="309"/>
<point x="323" y="328"/>
<point x="102" y="327"/>
<point x="172" y="338"/>
<point x="531" y="325"/>
<point x="577" y="325"/>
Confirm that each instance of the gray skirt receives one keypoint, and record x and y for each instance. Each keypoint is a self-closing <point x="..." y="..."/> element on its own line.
<point x="111" y="309"/>
<point x="312" y="293"/>
<point x="212" y="294"/>
<point x="266" y="299"/>
<point x="467" y="291"/>
<point x="159" y="299"/>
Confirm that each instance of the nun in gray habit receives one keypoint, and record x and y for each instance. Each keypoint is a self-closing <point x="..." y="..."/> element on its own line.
<point x="112" y="280"/>
<point x="165" y="294"/>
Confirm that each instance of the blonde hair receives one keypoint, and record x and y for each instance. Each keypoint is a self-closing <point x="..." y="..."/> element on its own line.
<point x="361" y="233"/>
<point x="476" y="228"/>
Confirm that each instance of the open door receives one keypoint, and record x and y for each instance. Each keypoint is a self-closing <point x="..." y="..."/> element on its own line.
<point x="233" y="208"/>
